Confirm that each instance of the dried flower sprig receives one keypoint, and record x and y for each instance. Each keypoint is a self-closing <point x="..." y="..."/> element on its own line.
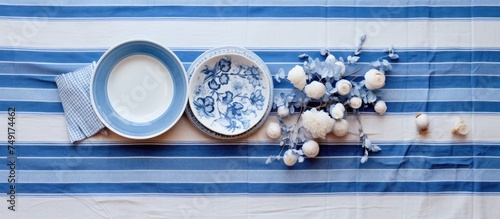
<point x="325" y="94"/>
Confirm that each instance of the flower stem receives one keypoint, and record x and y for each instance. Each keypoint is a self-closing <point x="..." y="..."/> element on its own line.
<point x="359" y="121"/>
<point x="354" y="72"/>
<point x="293" y="133"/>
<point x="323" y="105"/>
<point x="281" y="151"/>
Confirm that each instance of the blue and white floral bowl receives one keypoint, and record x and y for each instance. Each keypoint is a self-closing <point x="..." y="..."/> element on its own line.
<point x="230" y="92"/>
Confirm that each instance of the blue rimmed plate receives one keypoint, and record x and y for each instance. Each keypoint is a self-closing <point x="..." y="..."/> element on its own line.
<point x="230" y="92"/>
<point x="139" y="89"/>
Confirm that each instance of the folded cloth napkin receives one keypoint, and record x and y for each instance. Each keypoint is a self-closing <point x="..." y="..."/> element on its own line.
<point x="74" y="90"/>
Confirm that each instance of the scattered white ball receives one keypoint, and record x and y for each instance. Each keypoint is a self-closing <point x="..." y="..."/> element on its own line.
<point x="340" y="106"/>
<point x="290" y="158"/>
<point x="336" y="112"/>
<point x="374" y="79"/>
<point x="297" y="76"/>
<point x="310" y="148"/>
<point x="283" y="111"/>
<point x="380" y="107"/>
<point x="343" y="87"/>
<point x="315" y="90"/>
<point x="355" y="102"/>
<point x="422" y="121"/>
<point x="273" y="130"/>
<point x="460" y="128"/>
<point x="340" y="128"/>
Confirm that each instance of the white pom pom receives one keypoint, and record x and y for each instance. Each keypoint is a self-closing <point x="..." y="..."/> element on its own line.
<point x="380" y="107"/>
<point x="283" y="111"/>
<point x="422" y="121"/>
<point x="310" y="148"/>
<point x="343" y="87"/>
<point x="460" y="128"/>
<point x="336" y="112"/>
<point x="340" y="128"/>
<point x="340" y="106"/>
<point x="355" y="102"/>
<point x="374" y="79"/>
<point x="315" y="90"/>
<point x="297" y="76"/>
<point x="290" y="158"/>
<point x="273" y="130"/>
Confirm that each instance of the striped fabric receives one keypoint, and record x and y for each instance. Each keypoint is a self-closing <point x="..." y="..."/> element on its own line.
<point x="448" y="67"/>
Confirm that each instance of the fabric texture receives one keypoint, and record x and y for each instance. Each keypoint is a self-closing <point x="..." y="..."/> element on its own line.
<point x="449" y="68"/>
<point x="74" y="90"/>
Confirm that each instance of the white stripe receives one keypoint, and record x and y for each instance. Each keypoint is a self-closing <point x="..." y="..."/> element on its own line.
<point x="29" y="94"/>
<point x="250" y="33"/>
<point x="245" y="206"/>
<point x="257" y="176"/>
<point x="440" y="95"/>
<point x="389" y="128"/>
<point x="434" y="95"/>
<point x="389" y="95"/>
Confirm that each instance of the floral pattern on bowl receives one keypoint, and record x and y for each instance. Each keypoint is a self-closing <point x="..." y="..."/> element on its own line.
<point x="230" y="91"/>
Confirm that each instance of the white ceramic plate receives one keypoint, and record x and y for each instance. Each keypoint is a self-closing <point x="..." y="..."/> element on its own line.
<point x="230" y="92"/>
<point x="139" y="89"/>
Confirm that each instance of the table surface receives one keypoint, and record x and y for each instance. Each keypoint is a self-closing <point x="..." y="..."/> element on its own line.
<point x="448" y="68"/>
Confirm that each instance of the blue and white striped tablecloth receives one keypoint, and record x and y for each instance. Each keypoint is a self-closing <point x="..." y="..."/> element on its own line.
<point x="449" y="68"/>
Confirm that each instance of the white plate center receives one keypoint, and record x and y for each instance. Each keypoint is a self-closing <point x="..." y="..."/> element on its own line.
<point x="140" y="88"/>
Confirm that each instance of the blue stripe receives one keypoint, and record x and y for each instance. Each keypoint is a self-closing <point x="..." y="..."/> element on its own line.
<point x="50" y="56"/>
<point x="245" y="163"/>
<point x="442" y="82"/>
<point x="28" y="81"/>
<point x="249" y="11"/>
<point x="464" y="106"/>
<point x="38" y="68"/>
<point x="394" y="3"/>
<point x="262" y="188"/>
<point x="26" y="106"/>
<point x="426" y="82"/>
<point x="231" y="149"/>
<point x="393" y="107"/>
<point x="432" y="56"/>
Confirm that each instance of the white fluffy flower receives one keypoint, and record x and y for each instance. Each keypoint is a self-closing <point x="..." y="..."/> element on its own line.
<point x="341" y="65"/>
<point x="343" y="87"/>
<point x="310" y="148"/>
<point x="460" y="128"/>
<point x="380" y="107"/>
<point x="290" y="158"/>
<point x="374" y="79"/>
<point x="318" y="123"/>
<point x="422" y="121"/>
<point x="297" y="76"/>
<point x="355" y="102"/>
<point x="315" y="90"/>
<point x="337" y="112"/>
<point x="283" y="111"/>
<point x="273" y="130"/>
<point x="340" y="128"/>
